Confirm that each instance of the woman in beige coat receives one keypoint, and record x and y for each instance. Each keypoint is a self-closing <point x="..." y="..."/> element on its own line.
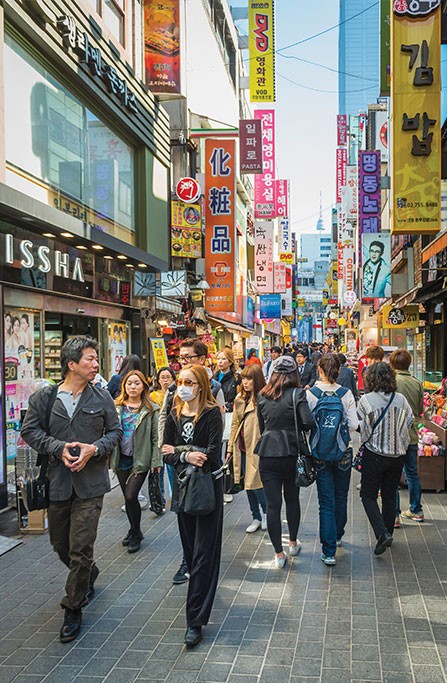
<point x="244" y="436"/>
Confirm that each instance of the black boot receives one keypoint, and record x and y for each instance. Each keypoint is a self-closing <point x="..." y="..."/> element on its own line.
<point x="193" y="636"/>
<point x="383" y="543"/>
<point x="134" y="542"/>
<point x="71" y="626"/>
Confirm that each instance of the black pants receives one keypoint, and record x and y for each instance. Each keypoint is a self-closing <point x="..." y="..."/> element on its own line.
<point x="73" y="525"/>
<point x="202" y="544"/>
<point x="278" y="474"/>
<point x="130" y="486"/>
<point x="380" y="473"/>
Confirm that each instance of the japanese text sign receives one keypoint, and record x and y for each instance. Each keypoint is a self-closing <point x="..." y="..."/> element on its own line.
<point x="265" y="182"/>
<point x="162" y="45"/>
<point x="261" y="45"/>
<point x="250" y="146"/>
<point x="264" y="256"/>
<point x="342" y="126"/>
<point x="415" y="117"/>
<point x="369" y="191"/>
<point x="279" y="270"/>
<point x="282" y="198"/>
<point x="220" y="200"/>
<point x="340" y="178"/>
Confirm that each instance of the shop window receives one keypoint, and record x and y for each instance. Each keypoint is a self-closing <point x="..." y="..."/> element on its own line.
<point x="61" y="153"/>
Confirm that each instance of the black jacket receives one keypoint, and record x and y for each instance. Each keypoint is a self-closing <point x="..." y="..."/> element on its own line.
<point x="309" y="375"/>
<point x="229" y="384"/>
<point x="277" y="424"/>
<point x="207" y="437"/>
<point x="346" y="379"/>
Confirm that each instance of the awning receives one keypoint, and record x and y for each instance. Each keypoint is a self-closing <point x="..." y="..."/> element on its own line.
<point x="432" y="291"/>
<point x="434" y="247"/>
<point x="167" y="305"/>
<point x="230" y="326"/>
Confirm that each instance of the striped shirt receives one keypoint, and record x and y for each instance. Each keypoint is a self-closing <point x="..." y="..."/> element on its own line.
<point x="392" y="436"/>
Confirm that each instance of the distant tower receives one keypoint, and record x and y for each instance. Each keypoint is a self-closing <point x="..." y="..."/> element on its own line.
<point x="320" y="224"/>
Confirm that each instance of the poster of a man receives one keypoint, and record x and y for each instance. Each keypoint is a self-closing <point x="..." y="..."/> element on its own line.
<point x="376" y="250"/>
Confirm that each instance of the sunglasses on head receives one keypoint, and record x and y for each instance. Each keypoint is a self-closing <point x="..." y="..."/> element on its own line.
<point x="186" y="382"/>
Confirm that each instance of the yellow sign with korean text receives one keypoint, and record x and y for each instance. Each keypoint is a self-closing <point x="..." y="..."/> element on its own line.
<point x="394" y="318"/>
<point x="261" y="45"/>
<point x="415" y="121"/>
<point x="159" y="353"/>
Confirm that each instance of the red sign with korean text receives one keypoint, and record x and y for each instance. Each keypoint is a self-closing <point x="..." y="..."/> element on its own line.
<point x="341" y="161"/>
<point x="250" y="146"/>
<point x="342" y="128"/>
<point x="282" y="198"/>
<point x="220" y="201"/>
<point x="265" y="182"/>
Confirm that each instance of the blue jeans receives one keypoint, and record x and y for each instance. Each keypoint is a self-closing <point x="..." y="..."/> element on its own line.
<point x="256" y="501"/>
<point x="333" y="486"/>
<point x="414" y="485"/>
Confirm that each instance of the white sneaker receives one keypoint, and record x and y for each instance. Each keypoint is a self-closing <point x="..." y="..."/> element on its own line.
<point x="228" y="498"/>
<point x="123" y="508"/>
<point x="264" y="522"/>
<point x="280" y="562"/>
<point x="144" y="503"/>
<point x="254" y="526"/>
<point x="295" y="549"/>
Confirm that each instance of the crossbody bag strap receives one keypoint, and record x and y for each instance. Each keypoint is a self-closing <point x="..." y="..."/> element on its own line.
<point x="295" y="419"/>
<point x="380" y="418"/>
<point x="44" y="457"/>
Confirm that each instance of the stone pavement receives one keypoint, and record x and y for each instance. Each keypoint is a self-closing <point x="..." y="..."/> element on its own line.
<point x="367" y="619"/>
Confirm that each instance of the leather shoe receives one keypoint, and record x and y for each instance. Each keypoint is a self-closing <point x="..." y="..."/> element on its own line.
<point x="193" y="636"/>
<point x="71" y="626"/>
<point x="134" y="543"/>
<point x="383" y="543"/>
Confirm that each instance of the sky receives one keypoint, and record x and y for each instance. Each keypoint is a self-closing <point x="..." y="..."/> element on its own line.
<point x="305" y="119"/>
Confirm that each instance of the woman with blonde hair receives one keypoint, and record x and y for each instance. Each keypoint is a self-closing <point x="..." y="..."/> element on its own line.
<point x="245" y="434"/>
<point x="228" y="376"/>
<point x="138" y="451"/>
<point x="195" y="422"/>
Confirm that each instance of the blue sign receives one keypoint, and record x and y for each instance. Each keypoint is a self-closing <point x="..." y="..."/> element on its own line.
<point x="270" y="306"/>
<point x="249" y="313"/>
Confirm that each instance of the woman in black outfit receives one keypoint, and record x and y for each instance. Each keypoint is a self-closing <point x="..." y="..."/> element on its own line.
<point x="196" y="422"/>
<point x="278" y="450"/>
<point x="228" y="376"/>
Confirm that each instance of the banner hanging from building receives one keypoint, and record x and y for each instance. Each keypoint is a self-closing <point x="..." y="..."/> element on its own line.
<point x="279" y="277"/>
<point x="186" y="230"/>
<point x="261" y="47"/>
<point x="282" y="198"/>
<point x="250" y="146"/>
<point x="285" y="250"/>
<point x="286" y="298"/>
<point x="162" y="45"/>
<point x="342" y="130"/>
<point x="220" y="211"/>
<point x="349" y="194"/>
<point x="265" y="182"/>
<point x="264" y="257"/>
<point x="394" y="318"/>
<point x="416" y="114"/>
<point x="376" y="259"/>
<point x="340" y="178"/>
<point x="369" y="192"/>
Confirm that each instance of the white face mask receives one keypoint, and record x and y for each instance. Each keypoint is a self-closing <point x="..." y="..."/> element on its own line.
<point x="185" y="393"/>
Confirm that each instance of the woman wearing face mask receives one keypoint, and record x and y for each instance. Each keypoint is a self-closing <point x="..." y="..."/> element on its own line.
<point x="165" y="379"/>
<point x="195" y="422"/>
<point x="245" y="434"/>
<point x="138" y="451"/>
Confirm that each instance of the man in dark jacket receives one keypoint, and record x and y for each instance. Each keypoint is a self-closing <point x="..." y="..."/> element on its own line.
<point x="346" y="377"/>
<point x="77" y="471"/>
<point x="307" y="370"/>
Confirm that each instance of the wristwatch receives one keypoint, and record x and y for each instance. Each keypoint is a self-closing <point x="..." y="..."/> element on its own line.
<point x="96" y="453"/>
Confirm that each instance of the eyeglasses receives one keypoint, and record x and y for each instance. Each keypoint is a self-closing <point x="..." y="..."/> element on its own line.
<point x="186" y="382"/>
<point x="186" y="359"/>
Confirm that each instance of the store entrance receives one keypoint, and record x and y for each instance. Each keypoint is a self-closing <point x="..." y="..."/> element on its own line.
<point x="58" y="328"/>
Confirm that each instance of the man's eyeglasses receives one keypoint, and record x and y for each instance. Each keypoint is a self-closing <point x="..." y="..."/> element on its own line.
<point x="186" y="359"/>
<point x="186" y="382"/>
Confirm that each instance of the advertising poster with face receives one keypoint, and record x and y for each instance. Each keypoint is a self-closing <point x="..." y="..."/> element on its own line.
<point x="19" y="345"/>
<point x="117" y="345"/>
<point x="376" y="252"/>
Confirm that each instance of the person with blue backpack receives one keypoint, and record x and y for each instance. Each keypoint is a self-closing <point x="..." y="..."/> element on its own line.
<point x="334" y="412"/>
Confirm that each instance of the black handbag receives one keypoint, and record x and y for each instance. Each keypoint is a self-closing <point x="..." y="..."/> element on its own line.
<point x="357" y="461"/>
<point x="199" y="498"/>
<point x="305" y="474"/>
<point x="38" y="488"/>
<point x="155" y="497"/>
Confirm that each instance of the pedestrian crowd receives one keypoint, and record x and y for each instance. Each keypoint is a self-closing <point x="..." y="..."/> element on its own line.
<point x="212" y="435"/>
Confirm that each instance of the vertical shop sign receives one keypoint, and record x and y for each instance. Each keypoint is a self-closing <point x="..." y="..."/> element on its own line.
<point x="220" y="214"/>
<point x="342" y="129"/>
<point x="186" y="230"/>
<point x="285" y="250"/>
<point x="265" y="182"/>
<point x="117" y="345"/>
<point x="250" y="146"/>
<point x="279" y="277"/>
<point x="261" y="46"/>
<point x="385" y="44"/>
<point x="270" y="306"/>
<point x="340" y="179"/>
<point x="369" y="192"/>
<point x="286" y="298"/>
<point x="349" y="194"/>
<point x="415" y="118"/>
<point x="282" y="198"/>
<point x="264" y="256"/>
<point x="162" y="45"/>
<point x="159" y="353"/>
<point x="376" y="251"/>
<point x="19" y="345"/>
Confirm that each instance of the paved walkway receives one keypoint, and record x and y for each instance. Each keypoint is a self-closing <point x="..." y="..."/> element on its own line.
<point x="367" y="619"/>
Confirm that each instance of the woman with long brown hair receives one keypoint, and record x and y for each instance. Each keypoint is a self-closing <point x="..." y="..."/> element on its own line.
<point x="280" y="402"/>
<point x="195" y="422"/>
<point x="228" y="376"/>
<point x="138" y="451"/>
<point x="245" y="434"/>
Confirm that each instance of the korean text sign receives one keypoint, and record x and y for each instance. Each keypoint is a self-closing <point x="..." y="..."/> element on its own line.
<point x="415" y="117"/>
<point x="340" y="178"/>
<point x="282" y="198"/>
<point x="264" y="257"/>
<point x="369" y="192"/>
<point x="265" y="183"/>
<point x="285" y="250"/>
<point x="261" y="45"/>
<point x="342" y="126"/>
<point x="250" y="146"/>
<point x="220" y="200"/>
<point x="162" y="45"/>
<point x="159" y="353"/>
<point x="186" y="230"/>
<point x="279" y="270"/>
